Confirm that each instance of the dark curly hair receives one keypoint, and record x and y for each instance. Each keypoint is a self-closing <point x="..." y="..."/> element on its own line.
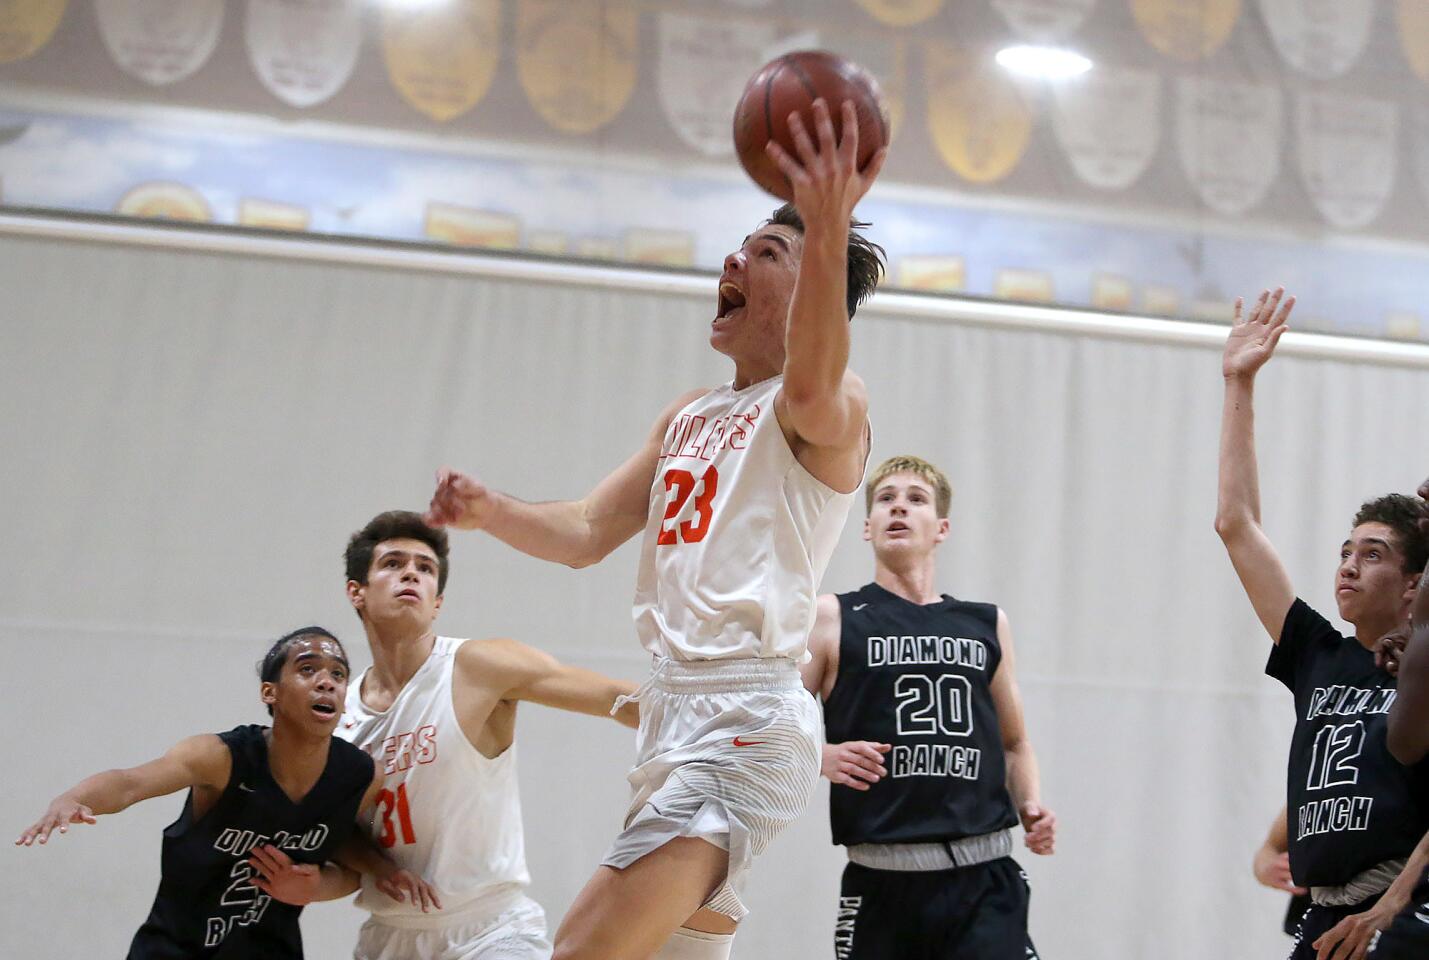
<point x="1402" y="515"/>
<point x="394" y="525"/>
<point x="865" y="258"/>
<point x="272" y="663"/>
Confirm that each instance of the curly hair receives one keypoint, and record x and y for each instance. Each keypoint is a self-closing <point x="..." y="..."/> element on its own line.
<point x="394" y="525"/>
<point x="865" y="258"/>
<point x="1402" y="515"/>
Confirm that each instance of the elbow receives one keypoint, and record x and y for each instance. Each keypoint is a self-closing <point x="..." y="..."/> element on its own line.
<point x="1228" y="525"/>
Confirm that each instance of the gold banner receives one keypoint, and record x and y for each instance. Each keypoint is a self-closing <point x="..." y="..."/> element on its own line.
<point x="1414" y="34"/>
<point x="1186" y="30"/>
<point x="165" y="201"/>
<point x="901" y="13"/>
<point x="577" y="60"/>
<point x="27" y="25"/>
<point x="442" y="59"/>
<point x="978" y="118"/>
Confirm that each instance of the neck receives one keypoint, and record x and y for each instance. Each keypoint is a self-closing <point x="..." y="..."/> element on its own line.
<point x="913" y="582"/>
<point x="1368" y="632"/>
<point x="749" y="372"/>
<point x="398" y="652"/>
<point x="296" y="755"/>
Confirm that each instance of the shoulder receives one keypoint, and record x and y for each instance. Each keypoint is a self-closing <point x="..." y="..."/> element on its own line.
<point x="828" y="621"/>
<point x="1304" y="623"/>
<point x="500" y="662"/>
<point x="673" y="408"/>
<point x="209" y="757"/>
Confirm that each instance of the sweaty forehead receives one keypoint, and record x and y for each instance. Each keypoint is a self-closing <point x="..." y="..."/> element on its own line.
<point x="315" y="647"/>
<point x="792" y="238"/>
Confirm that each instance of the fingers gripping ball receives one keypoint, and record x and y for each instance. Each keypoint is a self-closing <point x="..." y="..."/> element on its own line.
<point x="792" y="83"/>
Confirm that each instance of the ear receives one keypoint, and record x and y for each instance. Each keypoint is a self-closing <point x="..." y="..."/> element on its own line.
<point x="867" y="532"/>
<point x="943" y="527"/>
<point x="437" y="608"/>
<point x="357" y="594"/>
<point x="268" y="692"/>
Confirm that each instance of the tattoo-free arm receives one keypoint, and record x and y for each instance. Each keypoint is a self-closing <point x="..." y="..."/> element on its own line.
<point x="525" y="673"/>
<point x="1024" y="780"/>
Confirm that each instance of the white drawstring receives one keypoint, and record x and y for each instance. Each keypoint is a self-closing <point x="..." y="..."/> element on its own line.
<point x="660" y="664"/>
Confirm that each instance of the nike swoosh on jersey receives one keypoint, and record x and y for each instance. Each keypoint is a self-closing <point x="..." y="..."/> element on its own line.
<point x="858" y="606"/>
<point x="740" y="742"/>
<point x="245" y="788"/>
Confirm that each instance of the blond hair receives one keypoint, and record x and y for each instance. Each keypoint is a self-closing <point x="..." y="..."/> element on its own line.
<point x="942" y="490"/>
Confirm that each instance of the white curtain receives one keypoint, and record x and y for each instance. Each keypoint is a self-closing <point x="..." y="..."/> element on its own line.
<point x="188" y="438"/>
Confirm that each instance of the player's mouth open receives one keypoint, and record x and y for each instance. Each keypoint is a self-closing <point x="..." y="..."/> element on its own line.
<point x="731" y="298"/>
<point x="325" y="710"/>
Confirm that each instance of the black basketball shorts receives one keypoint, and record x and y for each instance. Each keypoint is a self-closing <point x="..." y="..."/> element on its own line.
<point x="971" y="913"/>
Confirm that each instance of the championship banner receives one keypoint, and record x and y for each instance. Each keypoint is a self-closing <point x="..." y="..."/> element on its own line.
<point x="271" y="215"/>
<point x="1186" y="30"/>
<point x="901" y="13"/>
<point x="1322" y="38"/>
<point x="979" y="120"/>
<point x="1229" y="139"/>
<point x="577" y="60"/>
<point x="1413" y="19"/>
<point x="165" y="201"/>
<point x="160" y="41"/>
<point x="1108" y="122"/>
<point x="1044" y="21"/>
<point x="704" y="62"/>
<point x="469" y="227"/>
<point x="1347" y="148"/>
<point x="304" y="50"/>
<point x="27" y="25"/>
<point x="442" y="58"/>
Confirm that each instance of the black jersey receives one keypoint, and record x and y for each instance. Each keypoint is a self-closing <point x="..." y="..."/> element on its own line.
<point x="1351" y="805"/>
<point x="207" y="905"/>
<point x="919" y="677"/>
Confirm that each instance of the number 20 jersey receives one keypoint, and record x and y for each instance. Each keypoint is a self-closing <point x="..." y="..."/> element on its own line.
<point x="919" y="677"/>
<point x="738" y="534"/>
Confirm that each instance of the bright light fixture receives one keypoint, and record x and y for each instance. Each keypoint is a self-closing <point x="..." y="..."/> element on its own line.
<point x="1047" y="63"/>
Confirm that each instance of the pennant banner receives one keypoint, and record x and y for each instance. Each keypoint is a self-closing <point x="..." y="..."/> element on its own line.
<point x="1044" y="21"/>
<point x="304" y="50"/>
<point x="577" y="60"/>
<point x="442" y="58"/>
<point x="1347" y="148"/>
<point x="1186" y="30"/>
<point x="704" y="64"/>
<point x="1322" y="38"/>
<point x="27" y="25"/>
<point x="160" y="41"/>
<point x="978" y="118"/>
<point x="1108" y="122"/>
<point x="1229" y="138"/>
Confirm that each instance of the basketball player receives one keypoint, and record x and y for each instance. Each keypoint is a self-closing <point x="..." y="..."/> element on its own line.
<point x="1271" y="866"/>
<point x="927" y="749"/>
<point x="439" y="717"/>
<point x="1355" y="814"/>
<point x="742" y="491"/>
<point x="290" y="793"/>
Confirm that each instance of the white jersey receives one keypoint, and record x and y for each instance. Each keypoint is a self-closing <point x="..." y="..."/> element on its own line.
<point x="738" y="536"/>
<point x="447" y="813"/>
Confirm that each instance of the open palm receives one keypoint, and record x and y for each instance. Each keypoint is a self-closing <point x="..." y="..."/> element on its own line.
<point x="1253" y="338"/>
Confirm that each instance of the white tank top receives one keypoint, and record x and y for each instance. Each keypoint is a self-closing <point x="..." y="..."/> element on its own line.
<point x="447" y="813"/>
<point x="738" y="536"/>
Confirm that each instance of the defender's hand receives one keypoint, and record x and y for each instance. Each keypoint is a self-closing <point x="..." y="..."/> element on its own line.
<point x="404" y="886"/>
<point x="826" y="180"/>
<point x="1390" y="650"/>
<point x="62" y="812"/>
<point x="1252" y="339"/>
<point x="1040" y="825"/>
<point x="1350" y="938"/>
<point x="275" y="873"/>
<point x="459" y="501"/>
<point x="855" y="763"/>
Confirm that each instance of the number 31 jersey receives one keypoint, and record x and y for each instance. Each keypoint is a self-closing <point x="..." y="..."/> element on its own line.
<point x="919" y="677"/>
<point x="738" y="534"/>
<point x="446" y="812"/>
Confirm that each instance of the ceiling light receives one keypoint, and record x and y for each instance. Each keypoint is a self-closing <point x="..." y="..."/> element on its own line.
<point x="1048" y="63"/>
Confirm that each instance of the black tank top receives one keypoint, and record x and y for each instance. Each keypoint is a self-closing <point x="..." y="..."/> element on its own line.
<point x="919" y="677"/>
<point x="206" y="905"/>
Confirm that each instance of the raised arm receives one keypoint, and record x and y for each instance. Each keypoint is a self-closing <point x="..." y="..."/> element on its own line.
<point x="519" y="672"/>
<point x="201" y="762"/>
<point x="824" y="403"/>
<point x="1024" y="780"/>
<point x="576" y="533"/>
<point x="1251" y="343"/>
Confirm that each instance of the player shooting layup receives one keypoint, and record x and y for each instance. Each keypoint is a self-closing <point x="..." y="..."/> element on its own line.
<point x="742" y="492"/>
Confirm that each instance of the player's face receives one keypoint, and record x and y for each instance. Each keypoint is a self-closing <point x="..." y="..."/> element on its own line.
<point x="311" y="687"/>
<point x="754" y="293"/>
<point x="401" y="587"/>
<point x="903" y="520"/>
<point x="1371" y="583"/>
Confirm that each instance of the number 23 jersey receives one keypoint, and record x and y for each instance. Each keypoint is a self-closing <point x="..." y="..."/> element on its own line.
<point x="919" y="677"/>
<point x="738" y="534"/>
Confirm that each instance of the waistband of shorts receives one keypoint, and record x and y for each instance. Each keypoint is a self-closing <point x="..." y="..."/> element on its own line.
<point x="1362" y="886"/>
<point x="485" y="906"/>
<point x="946" y="855"/>
<point x="744" y="675"/>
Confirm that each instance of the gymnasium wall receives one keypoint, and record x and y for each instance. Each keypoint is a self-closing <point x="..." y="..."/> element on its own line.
<point x="189" y="436"/>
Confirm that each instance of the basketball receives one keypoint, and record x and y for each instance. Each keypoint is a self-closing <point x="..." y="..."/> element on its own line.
<point x="793" y="82"/>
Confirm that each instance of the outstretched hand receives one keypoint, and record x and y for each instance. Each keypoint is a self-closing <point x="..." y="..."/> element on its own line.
<point x="459" y="501"/>
<point x="62" y="812"/>
<point x="1253" y="338"/>
<point x="404" y="886"/>
<point x="275" y="873"/>
<point x="826" y="179"/>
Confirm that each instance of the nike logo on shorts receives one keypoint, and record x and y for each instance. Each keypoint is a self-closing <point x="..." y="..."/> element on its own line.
<point x="740" y="742"/>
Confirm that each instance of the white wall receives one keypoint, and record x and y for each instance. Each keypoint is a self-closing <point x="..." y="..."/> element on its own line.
<point x="188" y="438"/>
